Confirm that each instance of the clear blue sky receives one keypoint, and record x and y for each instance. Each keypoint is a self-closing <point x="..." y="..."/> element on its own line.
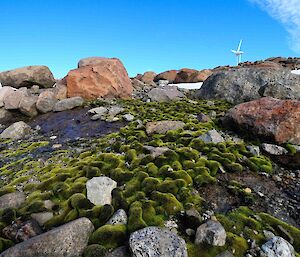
<point x="145" y="34"/>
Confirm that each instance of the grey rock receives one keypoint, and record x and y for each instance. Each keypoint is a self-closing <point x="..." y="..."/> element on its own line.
<point x="156" y="242"/>
<point x="162" y="127"/>
<point x="201" y="117"/>
<point x="165" y="94"/>
<point x="163" y="83"/>
<point x="13" y="99"/>
<point x="128" y="117"/>
<point x="99" y="190"/>
<point x="4" y="91"/>
<point x="68" y="104"/>
<point x="156" y="151"/>
<point x="68" y="240"/>
<point x="246" y="84"/>
<point x="17" y="130"/>
<point x="12" y="200"/>
<point x="211" y="232"/>
<point x="97" y="117"/>
<point x="274" y="149"/>
<point x="225" y="254"/>
<point x="27" y="77"/>
<point x="46" y="101"/>
<point x="118" y="252"/>
<point x="42" y="217"/>
<point x="99" y="110"/>
<point x="115" y="110"/>
<point x="254" y="149"/>
<point x="119" y="218"/>
<point x="277" y="246"/>
<point x="212" y="136"/>
<point x="193" y="218"/>
<point x="5" y="114"/>
<point x="27" y="106"/>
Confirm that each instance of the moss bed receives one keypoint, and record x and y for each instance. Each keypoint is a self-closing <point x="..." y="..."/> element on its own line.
<point x="151" y="190"/>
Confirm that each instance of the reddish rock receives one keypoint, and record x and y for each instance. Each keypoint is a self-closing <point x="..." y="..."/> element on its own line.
<point x="167" y="75"/>
<point x="185" y="75"/>
<point x="268" y="118"/>
<point x="148" y="77"/>
<point x="201" y="76"/>
<point x="99" y="77"/>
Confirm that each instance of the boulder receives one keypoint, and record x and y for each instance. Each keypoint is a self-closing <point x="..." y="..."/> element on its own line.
<point x="211" y="232"/>
<point x="167" y="75"/>
<point x="273" y="149"/>
<point x="212" y="136"/>
<point x="99" y="77"/>
<point x="99" y="190"/>
<point x="46" y="101"/>
<point x="4" y="91"/>
<point x="68" y="240"/>
<point x="28" y="76"/>
<point x="148" y="77"/>
<point x="12" y="200"/>
<point x="12" y="100"/>
<point x="68" y="104"/>
<point x="165" y="94"/>
<point x="246" y="84"/>
<point x="119" y="218"/>
<point x="201" y="76"/>
<point x="60" y="91"/>
<point x="162" y="127"/>
<point x="269" y="118"/>
<point x="277" y="246"/>
<point x="17" y="130"/>
<point x="157" y="242"/>
<point x="27" y="106"/>
<point x="185" y="75"/>
<point x="42" y="217"/>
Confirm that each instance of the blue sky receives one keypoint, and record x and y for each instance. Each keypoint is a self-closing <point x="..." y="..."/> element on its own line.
<point x="146" y="35"/>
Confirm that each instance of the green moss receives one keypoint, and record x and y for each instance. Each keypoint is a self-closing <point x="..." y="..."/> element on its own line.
<point x="79" y="201"/>
<point x="260" y="163"/>
<point x="168" y="201"/>
<point x="109" y="236"/>
<point x="95" y="250"/>
<point x="8" y="215"/>
<point x="5" y="244"/>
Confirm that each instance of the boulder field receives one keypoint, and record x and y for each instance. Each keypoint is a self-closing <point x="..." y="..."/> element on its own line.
<point x="137" y="168"/>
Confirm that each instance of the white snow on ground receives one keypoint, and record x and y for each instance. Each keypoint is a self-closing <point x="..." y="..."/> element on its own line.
<point x="297" y="72"/>
<point x="188" y="85"/>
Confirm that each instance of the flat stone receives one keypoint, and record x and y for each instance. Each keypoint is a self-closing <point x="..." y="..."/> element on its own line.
<point x="274" y="149"/>
<point x="212" y="233"/>
<point x="12" y="200"/>
<point x="212" y="136"/>
<point x="68" y="240"/>
<point x="98" y="110"/>
<point x="157" y="242"/>
<point x="99" y="190"/>
<point x="162" y="127"/>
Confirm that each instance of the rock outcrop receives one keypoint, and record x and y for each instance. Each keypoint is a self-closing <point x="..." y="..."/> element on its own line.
<point x="27" y="77"/>
<point x="269" y="118"/>
<point x="99" y="77"/>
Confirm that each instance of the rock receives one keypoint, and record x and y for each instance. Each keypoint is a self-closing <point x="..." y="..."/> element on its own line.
<point x="5" y="114"/>
<point x="119" y="218"/>
<point x="148" y="77"/>
<point x="12" y="200"/>
<point x="128" y="117"/>
<point x="46" y="101"/>
<point x="267" y="118"/>
<point x="68" y="104"/>
<point x="246" y="84"/>
<point x="99" y="110"/>
<point x="27" y="106"/>
<point x="185" y="75"/>
<point x="35" y="89"/>
<point x="99" y="77"/>
<point x="156" y="242"/>
<point x="115" y="110"/>
<point x="274" y="149"/>
<point x="212" y="233"/>
<point x="277" y="246"/>
<point x="22" y="231"/>
<point x="163" y="83"/>
<point x="254" y="149"/>
<point x="212" y="136"/>
<point x="12" y="100"/>
<point x="167" y="75"/>
<point x="225" y="254"/>
<point x="192" y="218"/>
<point x="165" y="94"/>
<point x="27" y="77"/>
<point x="60" y="91"/>
<point x="17" y="130"/>
<point x="201" y="117"/>
<point x="4" y="91"/>
<point x="201" y="76"/>
<point x="68" y="240"/>
<point x="156" y="151"/>
<point x="42" y="217"/>
<point x="99" y="190"/>
<point x="118" y="252"/>
<point x="162" y="127"/>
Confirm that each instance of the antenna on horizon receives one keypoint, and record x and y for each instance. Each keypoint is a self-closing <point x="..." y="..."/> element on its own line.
<point x="238" y="52"/>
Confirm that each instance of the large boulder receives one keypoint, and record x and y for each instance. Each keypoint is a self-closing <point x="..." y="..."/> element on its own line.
<point x="17" y="130"/>
<point x="68" y="240"/>
<point x="27" y="77"/>
<point x="277" y="246"/>
<point x="12" y="99"/>
<point x="157" y="242"/>
<point x="246" y="84"/>
<point x="165" y="94"/>
<point x="4" y="92"/>
<point x="269" y="118"/>
<point x="99" y="77"/>
<point x="167" y="75"/>
<point x="185" y="75"/>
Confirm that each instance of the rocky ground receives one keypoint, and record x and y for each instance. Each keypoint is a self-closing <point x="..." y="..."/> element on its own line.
<point x="164" y="174"/>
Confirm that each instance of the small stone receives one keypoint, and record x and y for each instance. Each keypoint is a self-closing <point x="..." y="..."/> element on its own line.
<point x="17" y="130"/>
<point x="98" y="110"/>
<point x="12" y="200"/>
<point x="248" y="190"/>
<point x="115" y="110"/>
<point x="49" y="204"/>
<point x="52" y="137"/>
<point x="268" y="234"/>
<point x="68" y="104"/>
<point x="99" y="190"/>
<point x="27" y="106"/>
<point x="254" y="149"/>
<point x="156" y="151"/>
<point x="274" y="149"/>
<point x="42" y="217"/>
<point x="190" y="232"/>
<point x="128" y="117"/>
<point x="212" y="233"/>
<point x="97" y="117"/>
<point x="162" y="127"/>
<point x="118" y="252"/>
<point x="56" y="146"/>
<point x="212" y="136"/>
<point x="201" y="117"/>
<point x="119" y="218"/>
